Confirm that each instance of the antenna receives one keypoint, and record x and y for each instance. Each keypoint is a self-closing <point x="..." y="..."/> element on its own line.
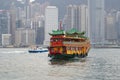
<point x="60" y="27"/>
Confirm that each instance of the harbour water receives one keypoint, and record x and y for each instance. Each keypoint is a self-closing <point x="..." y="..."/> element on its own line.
<point x="18" y="64"/>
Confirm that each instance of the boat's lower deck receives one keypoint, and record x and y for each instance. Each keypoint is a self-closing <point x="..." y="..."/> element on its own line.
<point x="66" y="56"/>
<point x="68" y="52"/>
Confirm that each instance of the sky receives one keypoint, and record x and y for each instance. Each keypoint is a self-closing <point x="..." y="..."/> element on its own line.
<point x="31" y="0"/>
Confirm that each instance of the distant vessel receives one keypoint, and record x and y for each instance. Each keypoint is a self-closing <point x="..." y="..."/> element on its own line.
<point x="38" y="50"/>
<point x="68" y="44"/>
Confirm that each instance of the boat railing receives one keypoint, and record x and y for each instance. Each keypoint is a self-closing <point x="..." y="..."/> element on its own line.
<point x="80" y="43"/>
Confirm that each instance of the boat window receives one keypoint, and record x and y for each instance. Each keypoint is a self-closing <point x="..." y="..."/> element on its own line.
<point x="68" y="48"/>
<point x="51" y="40"/>
<point x="55" y="40"/>
<point x="72" y="48"/>
<point x="76" y="48"/>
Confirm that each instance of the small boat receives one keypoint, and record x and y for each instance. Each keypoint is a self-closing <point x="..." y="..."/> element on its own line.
<point x="38" y="50"/>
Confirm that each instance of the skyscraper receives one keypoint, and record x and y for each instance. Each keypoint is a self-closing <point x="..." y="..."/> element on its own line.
<point x="118" y="25"/>
<point x="24" y="37"/>
<point x="76" y="17"/>
<point x="110" y="27"/>
<point x="27" y="12"/>
<point x="51" y="22"/>
<point x="96" y="21"/>
<point x="12" y="22"/>
<point x="84" y="19"/>
<point x="26" y="2"/>
<point x="72" y="17"/>
<point x="4" y="23"/>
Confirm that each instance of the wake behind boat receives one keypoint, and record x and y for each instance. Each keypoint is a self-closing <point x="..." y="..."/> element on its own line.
<point x="38" y="50"/>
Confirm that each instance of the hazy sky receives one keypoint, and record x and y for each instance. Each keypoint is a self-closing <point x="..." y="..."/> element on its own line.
<point x="31" y="0"/>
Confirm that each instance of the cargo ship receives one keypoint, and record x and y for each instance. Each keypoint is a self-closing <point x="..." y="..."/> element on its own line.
<point x="68" y="44"/>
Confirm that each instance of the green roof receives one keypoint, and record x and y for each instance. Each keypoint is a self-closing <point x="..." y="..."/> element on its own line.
<point x="72" y="31"/>
<point x="57" y="32"/>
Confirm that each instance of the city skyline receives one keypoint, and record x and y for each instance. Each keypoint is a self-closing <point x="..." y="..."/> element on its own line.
<point x="59" y="39"/>
<point x="100" y="25"/>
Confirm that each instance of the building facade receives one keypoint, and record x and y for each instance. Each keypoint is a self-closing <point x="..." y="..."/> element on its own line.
<point x="118" y="25"/>
<point x="12" y="22"/>
<point x="51" y="22"/>
<point x="76" y="17"/>
<point x="6" y="40"/>
<point x="72" y="17"/>
<point x="4" y="23"/>
<point x="96" y="21"/>
<point x="84" y="19"/>
<point x="24" y="37"/>
<point x="110" y="28"/>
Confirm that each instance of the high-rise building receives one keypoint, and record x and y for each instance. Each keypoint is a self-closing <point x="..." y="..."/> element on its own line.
<point x="27" y="16"/>
<point x="25" y="37"/>
<point x="27" y="13"/>
<point x="38" y="24"/>
<point x="110" y="28"/>
<point x="83" y="19"/>
<point x="4" y="23"/>
<point x="12" y="22"/>
<point x="72" y="17"/>
<point x="118" y="24"/>
<point x="38" y="9"/>
<point x="96" y="21"/>
<point x="40" y="31"/>
<point x="51" y="22"/>
<point x="26" y="2"/>
<point x="76" y="17"/>
<point x="35" y="9"/>
<point x="43" y="7"/>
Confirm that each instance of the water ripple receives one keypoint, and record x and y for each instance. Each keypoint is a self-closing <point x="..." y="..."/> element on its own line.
<point x="18" y="64"/>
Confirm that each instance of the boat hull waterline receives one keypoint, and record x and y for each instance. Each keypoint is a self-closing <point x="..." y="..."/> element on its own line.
<point x="37" y="51"/>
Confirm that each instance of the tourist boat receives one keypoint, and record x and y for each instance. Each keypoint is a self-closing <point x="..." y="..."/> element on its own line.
<point x="69" y="44"/>
<point x="38" y="50"/>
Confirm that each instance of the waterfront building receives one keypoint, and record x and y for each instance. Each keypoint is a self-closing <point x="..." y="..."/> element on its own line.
<point x="12" y="22"/>
<point x="51" y="22"/>
<point x="118" y="25"/>
<point x="6" y="40"/>
<point x="24" y="37"/>
<point x="96" y="21"/>
<point x="84" y="19"/>
<point x="110" y="28"/>
<point x="4" y="23"/>
<point x="38" y="24"/>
